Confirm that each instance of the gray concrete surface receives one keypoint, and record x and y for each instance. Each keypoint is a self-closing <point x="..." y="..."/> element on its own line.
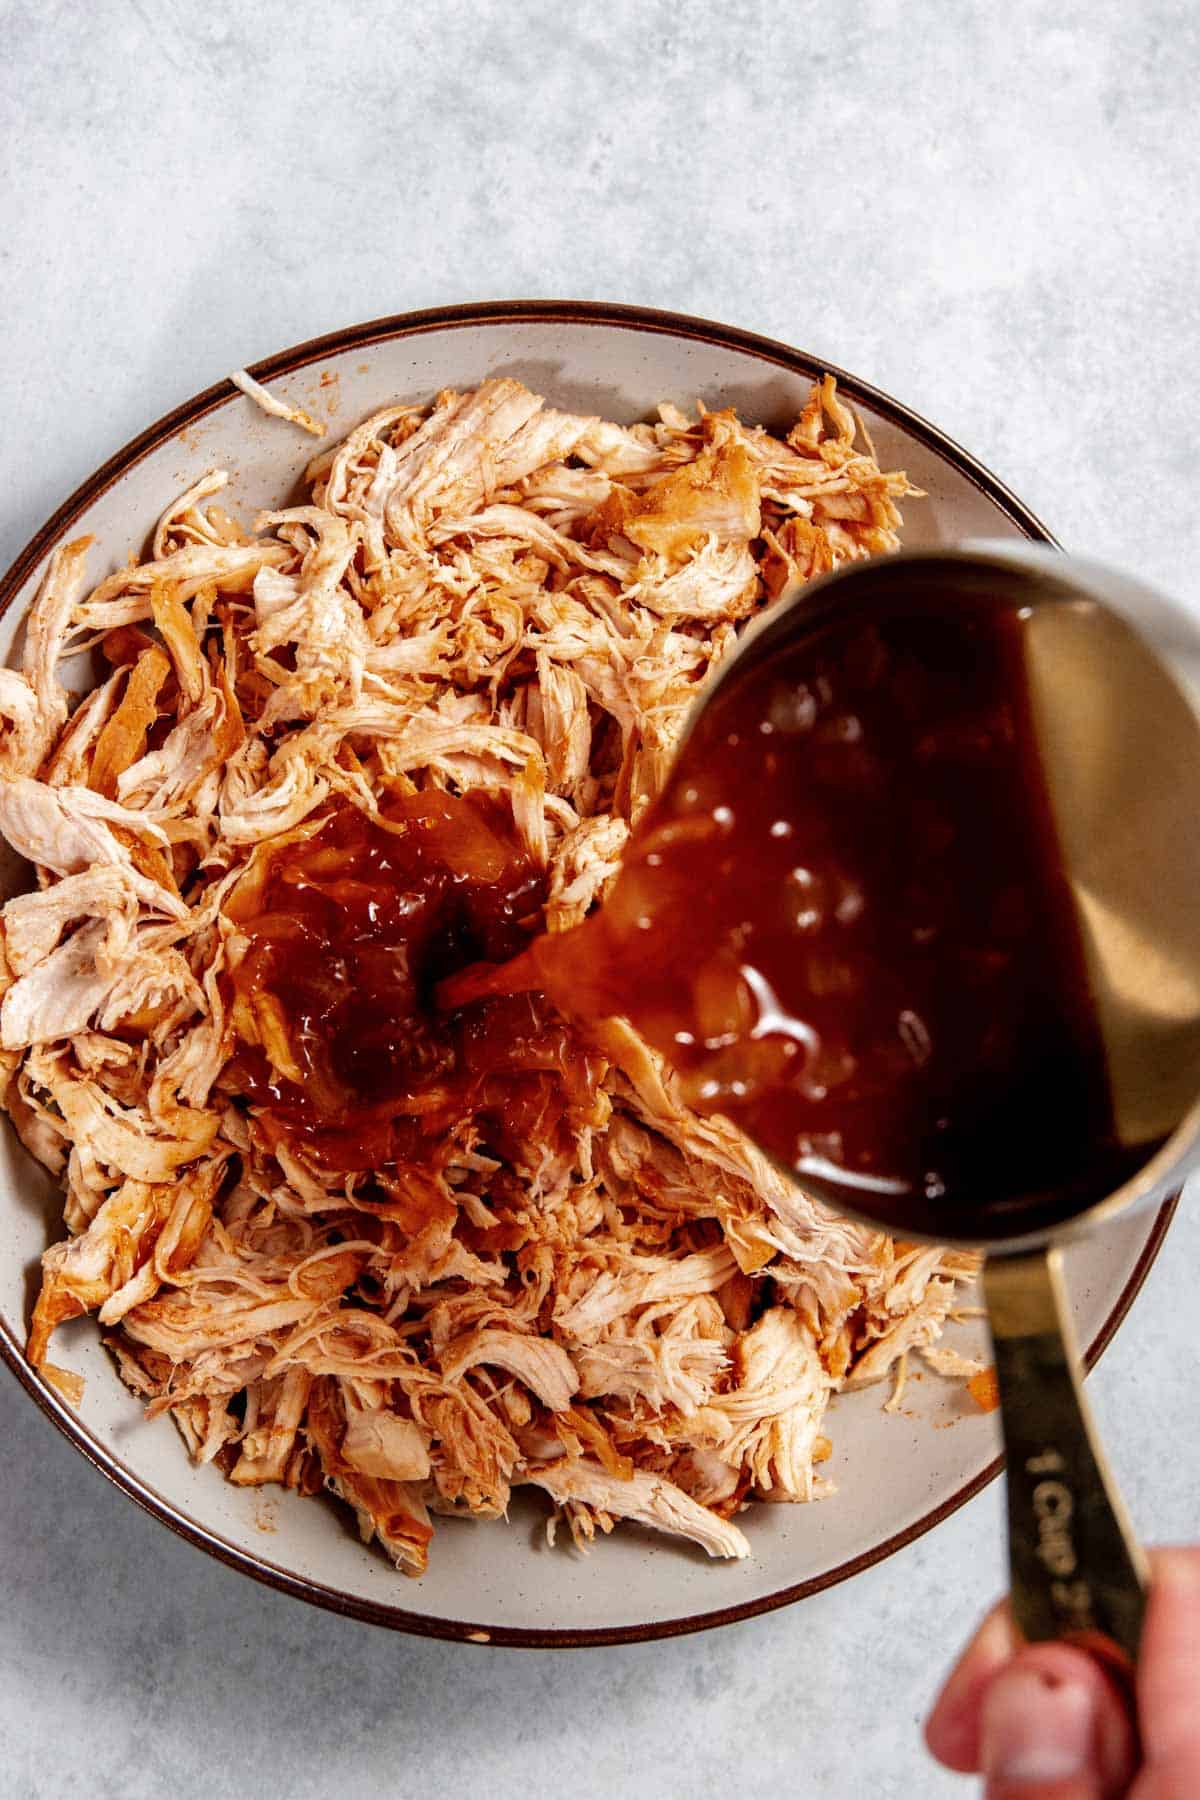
<point x="989" y="211"/>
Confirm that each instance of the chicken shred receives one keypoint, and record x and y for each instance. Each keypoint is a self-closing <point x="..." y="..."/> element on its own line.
<point x="274" y="407"/>
<point x="632" y="1311"/>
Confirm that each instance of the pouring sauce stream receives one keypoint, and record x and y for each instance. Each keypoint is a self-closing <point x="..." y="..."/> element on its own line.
<point x="847" y="925"/>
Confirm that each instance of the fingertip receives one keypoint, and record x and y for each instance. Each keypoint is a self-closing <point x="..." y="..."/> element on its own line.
<point x="1177" y="1567"/>
<point x="1052" y="1713"/>
<point x="953" y="1743"/>
<point x="952" y="1728"/>
<point x="1169" y="1657"/>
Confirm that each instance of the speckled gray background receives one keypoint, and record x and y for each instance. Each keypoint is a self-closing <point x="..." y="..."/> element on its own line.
<point x="988" y="210"/>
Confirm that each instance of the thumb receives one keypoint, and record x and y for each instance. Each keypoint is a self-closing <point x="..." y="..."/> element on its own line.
<point x="1054" y="1727"/>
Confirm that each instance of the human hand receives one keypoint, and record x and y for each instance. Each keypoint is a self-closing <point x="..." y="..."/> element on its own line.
<point x="1045" y="1722"/>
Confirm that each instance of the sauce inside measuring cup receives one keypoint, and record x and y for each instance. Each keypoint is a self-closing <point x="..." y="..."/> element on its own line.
<point x="846" y="923"/>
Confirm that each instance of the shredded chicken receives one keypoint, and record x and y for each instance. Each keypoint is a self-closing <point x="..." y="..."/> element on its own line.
<point x="274" y="406"/>
<point x="627" y="1307"/>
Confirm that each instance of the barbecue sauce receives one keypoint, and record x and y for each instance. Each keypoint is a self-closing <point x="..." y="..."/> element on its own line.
<point x="348" y="931"/>
<point x="846" y="923"/>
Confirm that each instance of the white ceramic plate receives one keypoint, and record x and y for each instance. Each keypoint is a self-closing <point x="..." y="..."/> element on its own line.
<point x="898" y="1474"/>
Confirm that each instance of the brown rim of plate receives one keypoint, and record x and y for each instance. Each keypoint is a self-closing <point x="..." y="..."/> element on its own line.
<point x="508" y="312"/>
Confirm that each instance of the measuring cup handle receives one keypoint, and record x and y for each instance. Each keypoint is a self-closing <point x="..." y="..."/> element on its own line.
<point x="1077" y="1570"/>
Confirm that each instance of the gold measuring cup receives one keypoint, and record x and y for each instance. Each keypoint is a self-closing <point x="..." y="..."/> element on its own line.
<point x="1114" y="680"/>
